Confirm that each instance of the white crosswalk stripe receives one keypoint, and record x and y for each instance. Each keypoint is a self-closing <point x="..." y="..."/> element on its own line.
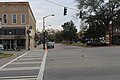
<point x="19" y="68"/>
<point x="28" y="62"/>
<point x="35" y="62"/>
<point x="19" y="78"/>
<point x="30" y="59"/>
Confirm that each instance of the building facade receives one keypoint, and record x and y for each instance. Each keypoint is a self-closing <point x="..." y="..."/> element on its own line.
<point x="17" y="25"/>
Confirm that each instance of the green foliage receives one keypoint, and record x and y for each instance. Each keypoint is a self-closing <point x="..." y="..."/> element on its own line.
<point x="54" y="35"/>
<point x="98" y="14"/>
<point x="50" y="34"/>
<point x="96" y="28"/>
<point x="5" y="55"/>
<point x="58" y="36"/>
<point x="51" y="37"/>
<point x="69" y="31"/>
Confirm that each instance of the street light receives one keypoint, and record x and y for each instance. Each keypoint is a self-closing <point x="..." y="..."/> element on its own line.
<point x="28" y="33"/>
<point x="110" y="33"/>
<point x="44" y="29"/>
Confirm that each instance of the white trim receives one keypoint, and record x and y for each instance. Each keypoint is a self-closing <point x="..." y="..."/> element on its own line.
<point x="6" y="18"/>
<point x="12" y="18"/>
<point x="15" y="25"/>
<point x="22" y="19"/>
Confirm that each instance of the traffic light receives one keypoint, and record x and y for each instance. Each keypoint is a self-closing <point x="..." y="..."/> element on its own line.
<point x="65" y="11"/>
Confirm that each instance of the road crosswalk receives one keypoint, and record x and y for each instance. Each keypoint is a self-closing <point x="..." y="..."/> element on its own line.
<point x="24" y="67"/>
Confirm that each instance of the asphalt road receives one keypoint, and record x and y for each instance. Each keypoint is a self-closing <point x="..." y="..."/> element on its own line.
<point x="77" y="63"/>
<point x="25" y="67"/>
<point x="64" y="63"/>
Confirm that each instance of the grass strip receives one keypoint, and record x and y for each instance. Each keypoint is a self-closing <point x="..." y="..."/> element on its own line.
<point x="5" y="55"/>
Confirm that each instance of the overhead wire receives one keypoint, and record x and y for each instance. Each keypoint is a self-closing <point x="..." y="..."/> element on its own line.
<point x="61" y="5"/>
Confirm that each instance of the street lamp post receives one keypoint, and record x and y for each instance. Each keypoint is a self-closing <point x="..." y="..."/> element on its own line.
<point x="110" y="33"/>
<point x="44" y="29"/>
<point x="28" y="32"/>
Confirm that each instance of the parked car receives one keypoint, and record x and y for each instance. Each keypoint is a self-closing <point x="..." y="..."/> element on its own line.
<point x="50" y="44"/>
<point x="96" y="43"/>
<point x="1" y="48"/>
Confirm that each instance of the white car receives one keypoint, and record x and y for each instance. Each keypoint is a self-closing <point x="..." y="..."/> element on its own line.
<point x="1" y="48"/>
<point x="50" y="44"/>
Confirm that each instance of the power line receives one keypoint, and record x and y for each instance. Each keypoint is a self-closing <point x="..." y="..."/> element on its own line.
<point x="62" y="5"/>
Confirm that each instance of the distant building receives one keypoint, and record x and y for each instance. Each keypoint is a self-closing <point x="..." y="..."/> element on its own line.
<point x="17" y="25"/>
<point x="116" y="34"/>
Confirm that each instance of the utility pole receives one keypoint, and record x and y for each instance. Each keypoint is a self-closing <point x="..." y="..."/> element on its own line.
<point x="110" y="33"/>
<point x="28" y="32"/>
<point x="44" y="29"/>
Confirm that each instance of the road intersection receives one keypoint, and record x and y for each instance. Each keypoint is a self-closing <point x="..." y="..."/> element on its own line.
<point x="65" y="63"/>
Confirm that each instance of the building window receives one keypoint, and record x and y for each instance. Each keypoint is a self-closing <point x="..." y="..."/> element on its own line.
<point x="12" y="31"/>
<point x="14" y="18"/>
<point x="23" y="18"/>
<point x="21" y="42"/>
<point x="20" y="31"/>
<point x="4" y="18"/>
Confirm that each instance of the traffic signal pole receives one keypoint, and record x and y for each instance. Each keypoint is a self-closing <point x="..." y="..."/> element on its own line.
<point x="43" y="33"/>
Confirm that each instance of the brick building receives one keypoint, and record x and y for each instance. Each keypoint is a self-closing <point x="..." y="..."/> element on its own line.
<point x="17" y="25"/>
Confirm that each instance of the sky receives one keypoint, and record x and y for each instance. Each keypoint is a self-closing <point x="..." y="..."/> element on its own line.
<point x="42" y="8"/>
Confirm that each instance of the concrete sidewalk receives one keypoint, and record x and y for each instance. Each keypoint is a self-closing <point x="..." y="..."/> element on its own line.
<point x="39" y="47"/>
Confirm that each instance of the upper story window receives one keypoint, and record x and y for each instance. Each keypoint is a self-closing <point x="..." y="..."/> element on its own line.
<point x="14" y="18"/>
<point x="23" y="18"/>
<point x="4" y="18"/>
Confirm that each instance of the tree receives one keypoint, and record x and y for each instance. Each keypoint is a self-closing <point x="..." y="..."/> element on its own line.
<point x="58" y="36"/>
<point x="98" y="14"/>
<point x="50" y="34"/>
<point x="96" y="27"/>
<point x="54" y="35"/>
<point x="69" y="31"/>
